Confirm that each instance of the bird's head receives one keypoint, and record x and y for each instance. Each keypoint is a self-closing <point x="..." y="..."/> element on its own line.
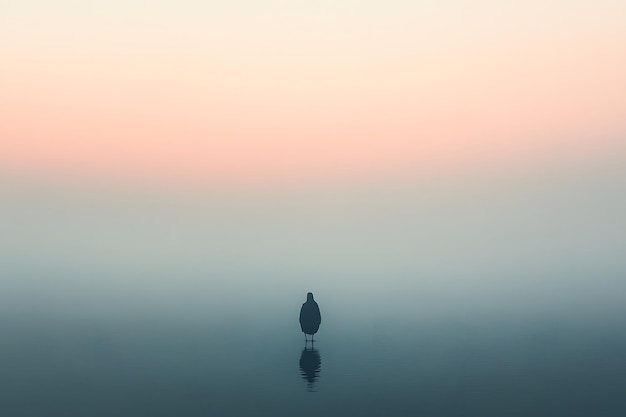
<point x="309" y="296"/>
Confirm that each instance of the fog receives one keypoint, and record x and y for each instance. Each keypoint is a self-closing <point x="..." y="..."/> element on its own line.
<point x="530" y="242"/>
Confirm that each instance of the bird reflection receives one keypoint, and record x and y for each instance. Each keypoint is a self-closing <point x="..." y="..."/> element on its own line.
<point x="310" y="364"/>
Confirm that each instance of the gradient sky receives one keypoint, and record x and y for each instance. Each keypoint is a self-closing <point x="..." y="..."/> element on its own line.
<point x="453" y="153"/>
<point x="255" y="93"/>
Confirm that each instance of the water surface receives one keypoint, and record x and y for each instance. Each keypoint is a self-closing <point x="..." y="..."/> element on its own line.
<point x="219" y="362"/>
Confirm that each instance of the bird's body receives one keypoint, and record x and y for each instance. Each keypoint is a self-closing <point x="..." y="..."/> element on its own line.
<point x="310" y="317"/>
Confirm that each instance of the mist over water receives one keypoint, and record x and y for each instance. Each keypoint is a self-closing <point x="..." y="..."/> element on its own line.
<point x="447" y="177"/>
<point x="497" y="298"/>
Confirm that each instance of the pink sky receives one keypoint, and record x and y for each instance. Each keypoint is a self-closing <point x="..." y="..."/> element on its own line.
<point x="311" y="93"/>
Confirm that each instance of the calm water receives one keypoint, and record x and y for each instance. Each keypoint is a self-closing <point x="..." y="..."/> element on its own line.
<point x="216" y="362"/>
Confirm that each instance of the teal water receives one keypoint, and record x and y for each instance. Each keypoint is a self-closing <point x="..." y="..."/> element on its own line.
<point x="241" y="360"/>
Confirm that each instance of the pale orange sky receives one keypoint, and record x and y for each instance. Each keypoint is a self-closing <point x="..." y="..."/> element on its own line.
<point x="256" y="93"/>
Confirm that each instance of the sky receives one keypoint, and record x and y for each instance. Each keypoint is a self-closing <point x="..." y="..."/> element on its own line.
<point x="255" y="94"/>
<point x="450" y="147"/>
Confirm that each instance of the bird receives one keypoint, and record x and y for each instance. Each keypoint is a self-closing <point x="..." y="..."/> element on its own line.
<point x="310" y="317"/>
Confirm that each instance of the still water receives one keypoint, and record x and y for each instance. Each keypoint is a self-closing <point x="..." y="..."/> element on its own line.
<point x="220" y="363"/>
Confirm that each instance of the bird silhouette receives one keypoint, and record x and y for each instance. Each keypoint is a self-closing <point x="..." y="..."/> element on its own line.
<point x="310" y="317"/>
